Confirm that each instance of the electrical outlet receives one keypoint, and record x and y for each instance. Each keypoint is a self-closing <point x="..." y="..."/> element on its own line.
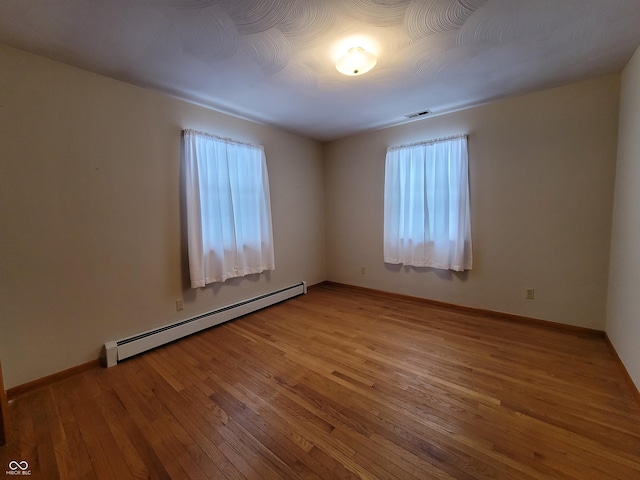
<point x="530" y="294"/>
<point x="179" y="305"/>
<point x="363" y="270"/>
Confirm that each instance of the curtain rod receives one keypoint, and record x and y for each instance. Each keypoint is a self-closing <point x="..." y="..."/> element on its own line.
<point x="428" y="142"/>
<point x="218" y="137"/>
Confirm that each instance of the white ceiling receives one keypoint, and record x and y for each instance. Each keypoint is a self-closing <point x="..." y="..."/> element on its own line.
<point x="273" y="61"/>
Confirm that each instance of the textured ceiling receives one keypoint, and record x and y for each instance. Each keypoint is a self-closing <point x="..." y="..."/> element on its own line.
<point x="273" y="61"/>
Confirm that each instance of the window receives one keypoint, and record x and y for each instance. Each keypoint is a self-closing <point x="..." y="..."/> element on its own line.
<point x="228" y="208"/>
<point x="426" y="205"/>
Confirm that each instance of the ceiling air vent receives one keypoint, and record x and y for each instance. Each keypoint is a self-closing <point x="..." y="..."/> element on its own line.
<point x="418" y="114"/>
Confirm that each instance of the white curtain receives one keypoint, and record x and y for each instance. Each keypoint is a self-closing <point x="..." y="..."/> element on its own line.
<point x="426" y="205"/>
<point x="228" y="208"/>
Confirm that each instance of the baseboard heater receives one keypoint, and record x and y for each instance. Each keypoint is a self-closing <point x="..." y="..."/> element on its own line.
<point x="130" y="346"/>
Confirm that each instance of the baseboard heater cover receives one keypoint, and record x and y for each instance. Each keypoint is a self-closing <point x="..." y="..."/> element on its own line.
<point x="136" y="344"/>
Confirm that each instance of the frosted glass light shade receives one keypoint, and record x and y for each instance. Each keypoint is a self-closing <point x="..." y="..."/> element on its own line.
<point x="356" y="62"/>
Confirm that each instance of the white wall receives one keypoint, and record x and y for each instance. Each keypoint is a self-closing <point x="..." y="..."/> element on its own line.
<point x="91" y="242"/>
<point x="541" y="178"/>
<point x="623" y="308"/>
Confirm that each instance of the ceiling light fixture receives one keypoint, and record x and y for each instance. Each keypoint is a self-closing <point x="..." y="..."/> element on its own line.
<point x="356" y="62"/>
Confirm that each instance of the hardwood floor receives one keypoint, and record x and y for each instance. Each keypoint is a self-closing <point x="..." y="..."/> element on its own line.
<point x="341" y="384"/>
<point x="4" y="410"/>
